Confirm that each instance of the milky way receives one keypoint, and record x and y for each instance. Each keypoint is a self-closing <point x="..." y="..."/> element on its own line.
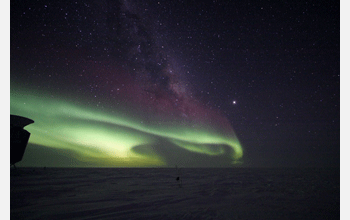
<point x="101" y="84"/>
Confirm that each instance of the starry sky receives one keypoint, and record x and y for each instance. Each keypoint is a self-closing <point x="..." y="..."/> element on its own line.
<point x="188" y="83"/>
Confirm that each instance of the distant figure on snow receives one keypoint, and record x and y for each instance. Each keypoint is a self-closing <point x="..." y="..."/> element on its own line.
<point x="178" y="179"/>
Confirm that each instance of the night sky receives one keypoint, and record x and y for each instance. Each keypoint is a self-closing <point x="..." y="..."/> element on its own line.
<point x="188" y="83"/>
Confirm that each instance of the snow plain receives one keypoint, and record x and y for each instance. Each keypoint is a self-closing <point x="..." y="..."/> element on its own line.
<point x="154" y="193"/>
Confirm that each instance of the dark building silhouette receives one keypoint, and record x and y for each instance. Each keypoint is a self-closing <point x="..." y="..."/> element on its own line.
<point x="19" y="137"/>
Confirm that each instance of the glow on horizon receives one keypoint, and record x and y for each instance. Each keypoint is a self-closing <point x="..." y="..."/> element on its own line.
<point x="96" y="134"/>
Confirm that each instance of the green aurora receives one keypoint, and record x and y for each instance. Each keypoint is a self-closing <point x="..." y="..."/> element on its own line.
<point x="124" y="137"/>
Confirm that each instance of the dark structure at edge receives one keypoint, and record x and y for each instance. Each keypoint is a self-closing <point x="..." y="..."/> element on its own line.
<point x="19" y="137"/>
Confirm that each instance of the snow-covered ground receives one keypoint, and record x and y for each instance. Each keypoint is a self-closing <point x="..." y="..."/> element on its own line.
<point x="147" y="193"/>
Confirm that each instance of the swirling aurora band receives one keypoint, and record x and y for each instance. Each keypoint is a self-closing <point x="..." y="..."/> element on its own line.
<point x="109" y="139"/>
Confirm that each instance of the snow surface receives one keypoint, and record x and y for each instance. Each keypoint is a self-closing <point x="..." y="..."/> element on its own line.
<point x="154" y="193"/>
